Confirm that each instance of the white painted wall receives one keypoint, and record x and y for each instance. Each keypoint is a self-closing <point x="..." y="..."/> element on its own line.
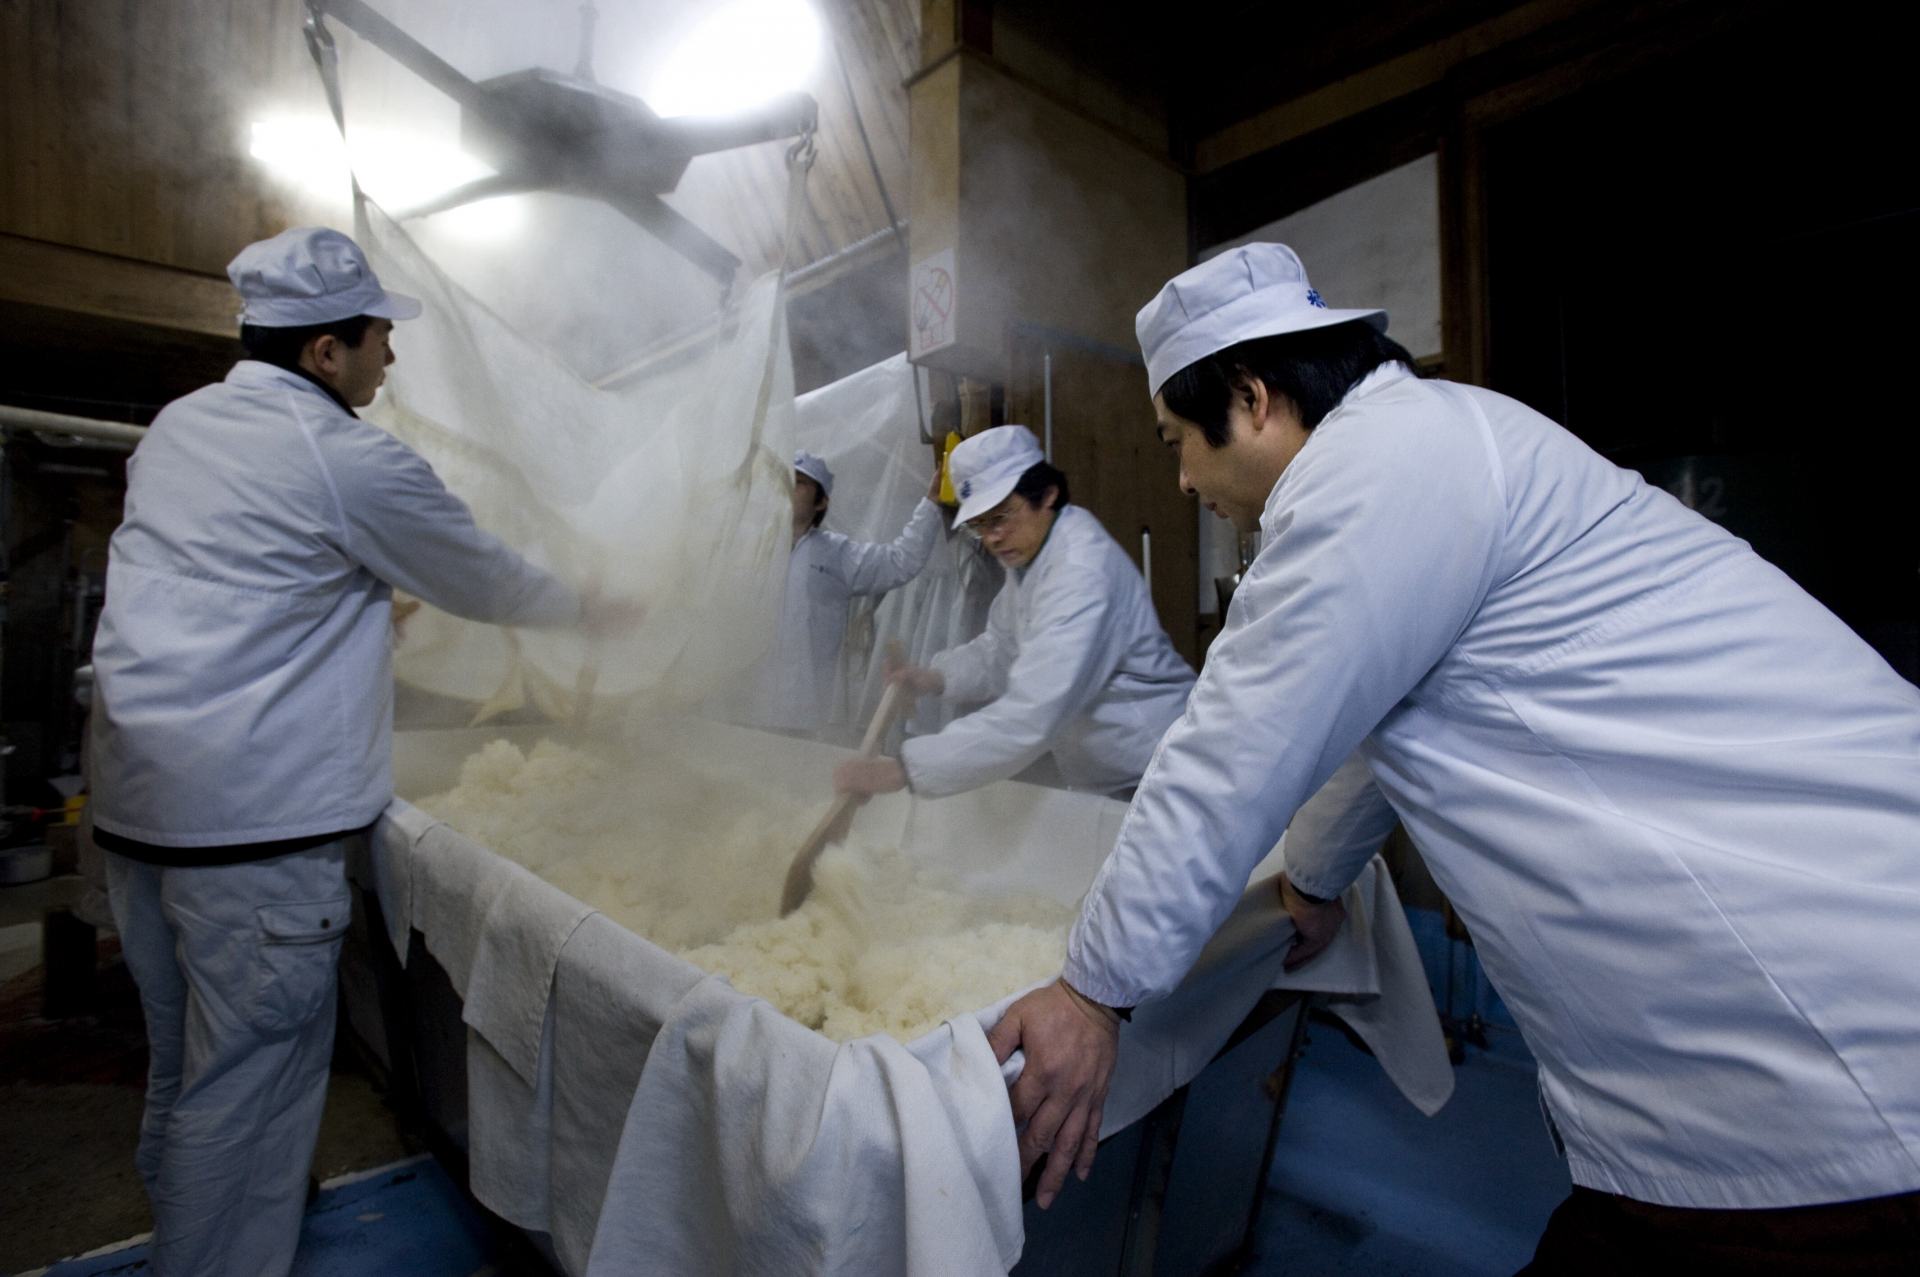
<point x="1375" y="244"/>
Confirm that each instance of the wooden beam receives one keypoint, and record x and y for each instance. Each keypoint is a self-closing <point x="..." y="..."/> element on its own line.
<point x="36" y="273"/>
<point x="950" y="25"/>
<point x="1230" y="202"/>
<point x="939" y="30"/>
<point x="1644" y="36"/>
<point x="1421" y="69"/>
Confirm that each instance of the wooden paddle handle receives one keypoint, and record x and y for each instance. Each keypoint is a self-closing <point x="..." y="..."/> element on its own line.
<point x="892" y="701"/>
<point x="833" y="826"/>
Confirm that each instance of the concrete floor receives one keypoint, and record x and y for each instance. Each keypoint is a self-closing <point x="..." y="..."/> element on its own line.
<point x="71" y="1092"/>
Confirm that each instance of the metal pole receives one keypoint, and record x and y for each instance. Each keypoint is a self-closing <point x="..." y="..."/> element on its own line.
<point x="1146" y="557"/>
<point x="59" y="423"/>
<point x="1280" y="1085"/>
<point x="1046" y="398"/>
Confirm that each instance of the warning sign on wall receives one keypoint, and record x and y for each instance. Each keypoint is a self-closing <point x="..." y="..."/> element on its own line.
<point x="931" y="306"/>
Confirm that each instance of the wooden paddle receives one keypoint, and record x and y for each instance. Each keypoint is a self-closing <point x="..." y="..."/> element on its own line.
<point x="839" y="818"/>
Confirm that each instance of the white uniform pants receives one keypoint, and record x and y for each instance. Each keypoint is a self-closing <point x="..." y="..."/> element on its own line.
<point x="237" y="969"/>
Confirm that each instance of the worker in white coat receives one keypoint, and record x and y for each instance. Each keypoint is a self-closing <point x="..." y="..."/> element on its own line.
<point x="1073" y="662"/>
<point x="793" y="685"/>
<point x="242" y="722"/>
<point x="1675" y="799"/>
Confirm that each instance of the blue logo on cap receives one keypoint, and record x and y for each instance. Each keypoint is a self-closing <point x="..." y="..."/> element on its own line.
<point x="966" y="490"/>
<point x="1313" y="298"/>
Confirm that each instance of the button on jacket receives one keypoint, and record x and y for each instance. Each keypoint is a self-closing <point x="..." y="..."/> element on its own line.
<point x="1073" y="661"/>
<point x="1676" y="800"/>
<point x="244" y="654"/>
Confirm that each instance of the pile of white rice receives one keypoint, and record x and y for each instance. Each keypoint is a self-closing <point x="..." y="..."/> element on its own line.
<point x="696" y="865"/>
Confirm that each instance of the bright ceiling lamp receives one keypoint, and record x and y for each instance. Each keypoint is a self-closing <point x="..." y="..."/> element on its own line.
<point x="400" y="170"/>
<point x="304" y="151"/>
<point x="747" y="53"/>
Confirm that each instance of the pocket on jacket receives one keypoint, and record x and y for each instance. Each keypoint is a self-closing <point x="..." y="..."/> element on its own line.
<point x="297" y="952"/>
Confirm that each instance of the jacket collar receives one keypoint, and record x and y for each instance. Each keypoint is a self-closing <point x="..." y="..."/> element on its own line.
<point x="1385" y="375"/>
<point x="255" y="372"/>
<point x="1052" y="538"/>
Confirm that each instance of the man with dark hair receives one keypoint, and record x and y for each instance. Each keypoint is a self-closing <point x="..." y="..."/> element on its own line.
<point x="791" y="688"/>
<point x="241" y="739"/>
<point x="1675" y="799"/>
<point x="1073" y="663"/>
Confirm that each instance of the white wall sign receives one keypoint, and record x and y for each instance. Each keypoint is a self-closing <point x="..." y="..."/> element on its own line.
<point x="930" y="306"/>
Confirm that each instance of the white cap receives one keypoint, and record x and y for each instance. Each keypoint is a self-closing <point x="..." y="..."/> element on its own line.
<point x="311" y="275"/>
<point x="815" y="468"/>
<point x="1255" y="290"/>
<point x="986" y="467"/>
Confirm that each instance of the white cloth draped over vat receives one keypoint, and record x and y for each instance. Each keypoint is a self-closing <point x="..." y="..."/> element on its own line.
<point x="649" y="1117"/>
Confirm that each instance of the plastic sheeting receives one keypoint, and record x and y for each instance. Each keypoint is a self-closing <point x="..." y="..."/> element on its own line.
<point x="669" y="487"/>
<point x="867" y="427"/>
<point x="672" y="490"/>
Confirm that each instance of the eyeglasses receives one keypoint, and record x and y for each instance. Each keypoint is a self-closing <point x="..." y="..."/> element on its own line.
<point x="986" y="523"/>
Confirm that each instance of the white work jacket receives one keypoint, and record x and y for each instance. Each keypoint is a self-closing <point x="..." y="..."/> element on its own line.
<point x="793" y="684"/>
<point x="1073" y="661"/>
<point x="1675" y="799"/>
<point x="243" y="659"/>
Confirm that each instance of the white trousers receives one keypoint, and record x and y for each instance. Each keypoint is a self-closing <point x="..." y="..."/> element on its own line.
<point x="237" y="967"/>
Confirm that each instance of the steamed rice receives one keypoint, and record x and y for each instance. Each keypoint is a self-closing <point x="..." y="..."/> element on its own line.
<point x="696" y="865"/>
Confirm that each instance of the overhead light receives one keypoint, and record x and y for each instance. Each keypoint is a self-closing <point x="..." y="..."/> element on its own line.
<point x="399" y="169"/>
<point x="749" y="52"/>
<point x="304" y="151"/>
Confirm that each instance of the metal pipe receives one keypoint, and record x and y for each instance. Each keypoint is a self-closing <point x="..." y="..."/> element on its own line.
<point x="1146" y="557"/>
<point x="59" y="423"/>
<point x="865" y="244"/>
<point x="1046" y="398"/>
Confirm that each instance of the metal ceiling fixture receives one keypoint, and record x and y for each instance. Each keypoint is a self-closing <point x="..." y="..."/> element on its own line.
<point x="542" y="130"/>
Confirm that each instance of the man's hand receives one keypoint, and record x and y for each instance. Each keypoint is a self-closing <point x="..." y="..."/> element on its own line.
<point x="607" y="614"/>
<point x="404" y="606"/>
<point x="1070" y="1044"/>
<point x="918" y="679"/>
<point x="869" y="776"/>
<point x="1314" y="925"/>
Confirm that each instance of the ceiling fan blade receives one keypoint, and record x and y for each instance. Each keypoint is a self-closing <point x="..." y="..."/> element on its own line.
<point x="479" y="189"/>
<point x="402" y="48"/>
<point x="786" y="116"/>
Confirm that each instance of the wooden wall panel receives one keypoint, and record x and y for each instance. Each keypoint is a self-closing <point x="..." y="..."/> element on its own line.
<point x="126" y="124"/>
<point x="1117" y="468"/>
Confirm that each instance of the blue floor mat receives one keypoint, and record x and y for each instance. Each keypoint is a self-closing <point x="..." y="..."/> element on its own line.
<point x="1362" y="1183"/>
<point x="406" y="1218"/>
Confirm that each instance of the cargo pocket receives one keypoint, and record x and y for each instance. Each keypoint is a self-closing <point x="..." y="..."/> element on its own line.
<point x="298" y="954"/>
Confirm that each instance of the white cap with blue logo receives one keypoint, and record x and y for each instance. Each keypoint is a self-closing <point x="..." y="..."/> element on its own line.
<point x="986" y="467"/>
<point x="1255" y="290"/>
<point x="311" y="275"/>
<point x="815" y="468"/>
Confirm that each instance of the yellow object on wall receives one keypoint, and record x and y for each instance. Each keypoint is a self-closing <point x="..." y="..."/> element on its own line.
<point x="947" y="495"/>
